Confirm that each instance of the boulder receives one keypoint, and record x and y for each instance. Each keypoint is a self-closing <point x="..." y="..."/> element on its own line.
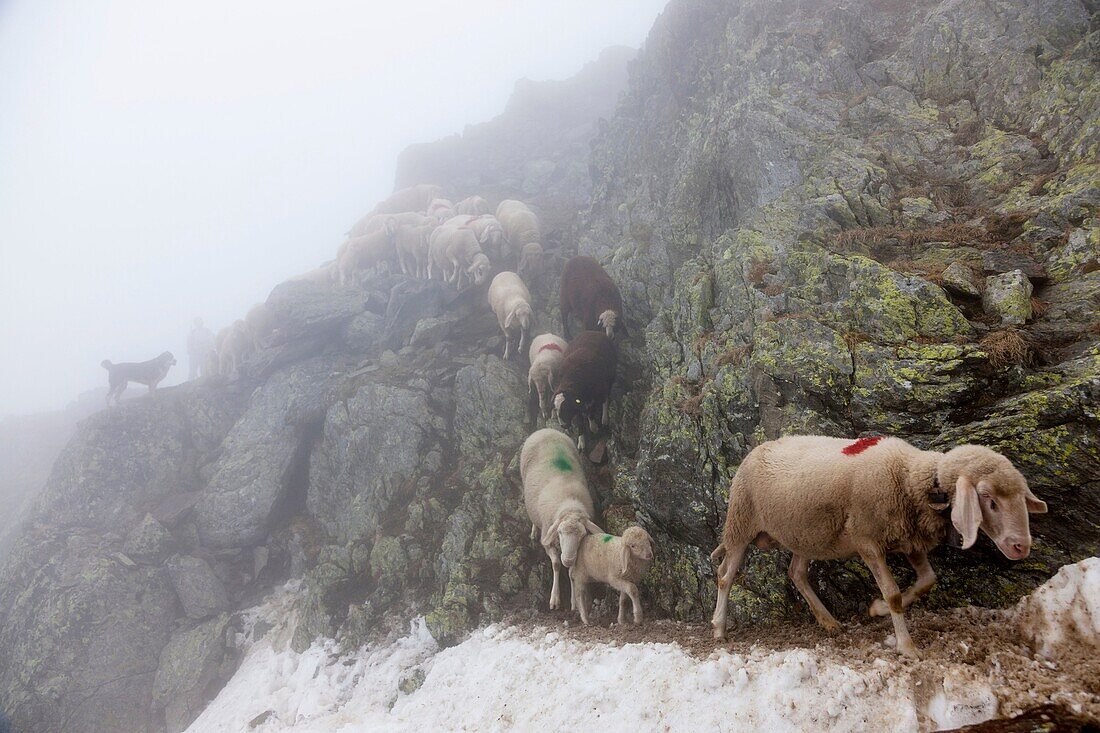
<point x="149" y="541"/>
<point x="188" y="672"/>
<point x="199" y="590"/>
<point x="959" y="280"/>
<point x="1008" y="296"/>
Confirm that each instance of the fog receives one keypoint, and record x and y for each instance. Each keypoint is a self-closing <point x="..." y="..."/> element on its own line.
<point x="161" y="161"/>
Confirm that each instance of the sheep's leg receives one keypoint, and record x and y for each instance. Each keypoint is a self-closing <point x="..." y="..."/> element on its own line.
<point x="622" y="607"/>
<point x="926" y="578"/>
<point x="603" y="418"/>
<point x="534" y="532"/>
<point x="555" y="562"/>
<point x="875" y="560"/>
<point x="631" y="591"/>
<point x="583" y="601"/>
<point x="727" y="571"/>
<point x="798" y="571"/>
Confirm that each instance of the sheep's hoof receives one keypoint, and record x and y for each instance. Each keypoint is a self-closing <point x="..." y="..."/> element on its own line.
<point x="909" y="650"/>
<point x="554" y="604"/>
<point x="879" y="608"/>
<point x="719" y="633"/>
<point x="831" y="626"/>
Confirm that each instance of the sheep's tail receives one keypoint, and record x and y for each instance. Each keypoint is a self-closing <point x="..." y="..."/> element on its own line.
<point x="106" y="364"/>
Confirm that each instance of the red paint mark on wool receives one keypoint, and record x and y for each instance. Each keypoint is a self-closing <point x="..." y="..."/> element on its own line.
<point x="859" y="446"/>
<point x="551" y="347"/>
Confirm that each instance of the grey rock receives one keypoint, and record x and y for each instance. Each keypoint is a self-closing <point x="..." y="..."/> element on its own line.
<point x="959" y="279"/>
<point x="364" y="333"/>
<point x="199" y="590"/>
<point x="302" y="309"/>
<point x="1008" y="296"/>
<point x="189" y="667"/>
<point x="149" y="541"/>
<point x="431" y="331"/>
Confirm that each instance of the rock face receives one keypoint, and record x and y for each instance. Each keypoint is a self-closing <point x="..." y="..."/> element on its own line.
<point x="798" y="201"/>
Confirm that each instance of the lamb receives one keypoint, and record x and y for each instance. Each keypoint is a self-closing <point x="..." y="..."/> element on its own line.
<point x="455" y="253"/>
<point x="511" y="302"/>
<point x="587" y="375"/>
<point x="411" y="243"/>
<point x="546" y="355"/>
<point x="621" y="562"/>
<point x="587" y="290"/>
<point x="365" y="252"/>
<point x="555" y="493"/>
<point x="473" y="205"/>
<point x="829" y="498"/>
<point x="260" y="323"/>
<point x="441" y="209"/>
<point x="519" y="223"/>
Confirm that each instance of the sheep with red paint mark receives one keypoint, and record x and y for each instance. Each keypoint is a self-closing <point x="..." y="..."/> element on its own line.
<point x="546" y="356"/>
<point x="828" y="498"/>
<point x="589" y="292"/>
<point x="584" y="388"/>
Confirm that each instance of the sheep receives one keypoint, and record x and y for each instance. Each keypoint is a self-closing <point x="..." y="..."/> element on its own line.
<point x="411" y="243"/>
<point x="587" y="289"/>
<point x="374" y="222"/>
<point x="530" y="260"/>
<point x="621" y="562"/>
<point x="555" y="493"/>
<point x="584" y="386"/>
<point x="323" y="275"/>
<point x="260" y="323"/>
<point x="455" y="253"/>
<point x="546" y="355"/>
<point x="365" y="252"/>
<point x="519" y="223"/>
<point x="830" y="498"/>
<point x="441" y="209"/>
<point x="473" y="205"/>
<point x="486" y="228"/>
<point x="233" y="343"/>
<point x="413" y="198"/>
<point x="511" y="302"/>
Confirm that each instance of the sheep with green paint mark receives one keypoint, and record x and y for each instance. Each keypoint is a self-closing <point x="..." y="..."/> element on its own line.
<point x="555" y="493"/>
<point x="621" y="562"/>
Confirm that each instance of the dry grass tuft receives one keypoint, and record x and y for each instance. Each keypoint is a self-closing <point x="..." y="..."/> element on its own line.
<point x="772" y="289"/>
<point x="735" y="355"/>
<point x="877" y="236"/>
<point x="1039" y="307"/>
<point x="758" y="269"/>
<point x="1009" y="347"/>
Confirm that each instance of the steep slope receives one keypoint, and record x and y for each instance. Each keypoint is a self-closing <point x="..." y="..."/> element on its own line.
<point x="802" y="203"/>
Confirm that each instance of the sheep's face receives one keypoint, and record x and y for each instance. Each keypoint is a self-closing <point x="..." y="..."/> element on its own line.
<point x="570" y="533"/>
<point x="639" y="543"/>
<point x="992" y="495"/>
<point x="607" y="320"/>
<point x="568" y="406"/>
<point x="479" y="269"/>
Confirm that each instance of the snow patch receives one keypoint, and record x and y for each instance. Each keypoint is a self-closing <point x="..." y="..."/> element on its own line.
<point x="1065" y="611"/>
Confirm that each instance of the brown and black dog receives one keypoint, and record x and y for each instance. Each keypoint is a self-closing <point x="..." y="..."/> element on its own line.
<point x="149" y="373"/>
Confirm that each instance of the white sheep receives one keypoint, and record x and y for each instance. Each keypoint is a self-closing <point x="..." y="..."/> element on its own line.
<point x="621" y="562"/>
<point x="555" y="493"/>
<point x="530" y="260"/>
<point x="473" y="205"/>
<point x="511" y="302"/>
<point x="455" y="253"/>
<point x="828" y="498"/>
<point x="365" y="252"/>
<point x="412" y="244"/>
<point x="520" y="225"/>
<point x="374" y="222"/>
<point x="441" y="209"/>
<point x="546" y="355"/>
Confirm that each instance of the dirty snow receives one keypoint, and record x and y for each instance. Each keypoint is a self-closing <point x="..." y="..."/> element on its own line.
<point x="523" y="678"/>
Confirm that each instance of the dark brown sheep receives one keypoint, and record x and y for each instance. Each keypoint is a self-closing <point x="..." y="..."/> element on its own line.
<point x="584" y="385"/>
<point x="587" y="290"/>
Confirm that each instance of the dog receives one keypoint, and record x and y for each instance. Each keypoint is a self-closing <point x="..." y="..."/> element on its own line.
<point x="149" y="373"/>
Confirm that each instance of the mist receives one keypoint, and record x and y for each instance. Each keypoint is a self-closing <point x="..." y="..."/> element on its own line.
<point x="160" y="162"/>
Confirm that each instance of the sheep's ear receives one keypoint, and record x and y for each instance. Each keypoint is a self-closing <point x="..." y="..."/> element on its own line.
<point x="549" y="535"/>
<point x="1035" y="505"/>
<point x="591" y="527"/>
<point x="625" y="557"/>
<point x="966" y="512"/>
<point x="510" y="320"/>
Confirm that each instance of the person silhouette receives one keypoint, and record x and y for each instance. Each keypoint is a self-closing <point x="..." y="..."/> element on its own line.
<point x="199" y="345"/>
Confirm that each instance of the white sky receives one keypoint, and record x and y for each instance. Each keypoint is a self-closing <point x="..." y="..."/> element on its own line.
<point x="162" y="160"/>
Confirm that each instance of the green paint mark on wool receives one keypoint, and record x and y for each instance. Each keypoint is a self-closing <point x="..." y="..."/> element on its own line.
<point x="561" y="462"/>
<point x="606" y="538"/>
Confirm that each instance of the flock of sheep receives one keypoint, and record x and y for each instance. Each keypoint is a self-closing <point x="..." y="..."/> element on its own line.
<point x="819" y="498"/>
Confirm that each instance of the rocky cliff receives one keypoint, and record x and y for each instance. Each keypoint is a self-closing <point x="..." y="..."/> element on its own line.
<point x="869" y="217"/>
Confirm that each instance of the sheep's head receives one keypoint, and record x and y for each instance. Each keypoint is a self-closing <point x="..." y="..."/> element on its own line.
<point x="568" y="406"/>
<point x="479" y="268"/>
<point x="636" y="543"/>
<point x="530" y="258"/>
<point x="992" y="495"/>
<point x="607" y="320"/>
<point x="568" y="531"/>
